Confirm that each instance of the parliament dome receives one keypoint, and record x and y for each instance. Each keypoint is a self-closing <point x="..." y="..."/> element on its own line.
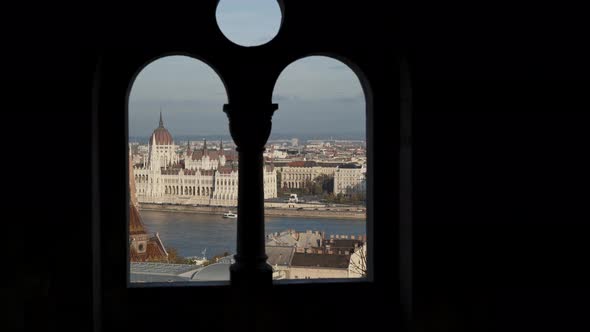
<point x="161" y="135"/>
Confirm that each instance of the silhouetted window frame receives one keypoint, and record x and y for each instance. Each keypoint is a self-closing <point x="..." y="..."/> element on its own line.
<point x="109" y="113"/>
<point x="367" y="95"/>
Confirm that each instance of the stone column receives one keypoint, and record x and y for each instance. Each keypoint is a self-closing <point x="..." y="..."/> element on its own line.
<point x="250" y="127"/>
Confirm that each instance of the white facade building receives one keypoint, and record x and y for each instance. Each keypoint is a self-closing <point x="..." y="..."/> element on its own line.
<point x="296" y="174"/>
<point x="274" y="153"/>
<point x="350" y="179"/>
<point x="197" y="177"/>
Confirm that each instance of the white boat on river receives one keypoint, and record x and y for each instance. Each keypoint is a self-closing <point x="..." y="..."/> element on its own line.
<point x="230" y="214"/>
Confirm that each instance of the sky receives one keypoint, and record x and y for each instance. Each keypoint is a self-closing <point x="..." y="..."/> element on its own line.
<point x="316" y="95"/>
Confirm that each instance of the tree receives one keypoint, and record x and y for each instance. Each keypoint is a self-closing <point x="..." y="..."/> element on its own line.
<point x="309" y="186"/>
<point x="280" y="189"/>
<point x="175" y="258"/>
<point x="316" y="188"/>
<point x="354" y="195"/>
<point x="358" y="262"/>
<point x="326" y="183"/>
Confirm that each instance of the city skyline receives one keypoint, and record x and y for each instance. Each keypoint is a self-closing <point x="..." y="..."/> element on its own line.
<point x="273" y="137"/>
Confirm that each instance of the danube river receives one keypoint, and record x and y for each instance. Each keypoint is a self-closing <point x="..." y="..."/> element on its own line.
<point x="191" y="233"/>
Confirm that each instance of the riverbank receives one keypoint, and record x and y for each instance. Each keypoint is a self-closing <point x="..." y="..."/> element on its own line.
<point x="269" y="211"/>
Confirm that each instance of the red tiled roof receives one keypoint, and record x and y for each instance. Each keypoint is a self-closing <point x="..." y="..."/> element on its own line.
<point x="320" y="260"/>
<point x="198" y="155"/>
<point x="155" y="249"/>
<point x="154" y="252"/>
<point x="302" y="163"/>
<point x="296" y="164"/>
<point x="213" y="155"/>
<point x="226" y="169"/>
<point x="162" y="136"/>
<point x="135" y="224"/>
<point x="207" y="172"/>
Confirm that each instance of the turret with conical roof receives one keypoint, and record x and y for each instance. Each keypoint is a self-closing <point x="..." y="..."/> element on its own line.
<point x="188" y="148"/>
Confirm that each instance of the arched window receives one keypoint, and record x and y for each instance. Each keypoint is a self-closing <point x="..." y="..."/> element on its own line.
<point x="318" y="131"/>
<point x="174" y="102"/>
<point x="250" y="76"/>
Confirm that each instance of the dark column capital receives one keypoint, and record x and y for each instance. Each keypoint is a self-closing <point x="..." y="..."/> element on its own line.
<point x="250" y="124"/>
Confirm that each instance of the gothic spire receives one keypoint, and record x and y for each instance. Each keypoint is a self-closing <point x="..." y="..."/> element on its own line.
<point x="161" y="121"/>
<point x="221" y="146"/>
<point x="205" y="147"/>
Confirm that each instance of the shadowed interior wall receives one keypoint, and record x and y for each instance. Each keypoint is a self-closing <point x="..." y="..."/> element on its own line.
<point x="500" y="114"/>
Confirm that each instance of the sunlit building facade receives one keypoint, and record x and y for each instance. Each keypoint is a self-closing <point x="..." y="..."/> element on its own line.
<point x="349" y="179"/>
<point x="192" y="177"/>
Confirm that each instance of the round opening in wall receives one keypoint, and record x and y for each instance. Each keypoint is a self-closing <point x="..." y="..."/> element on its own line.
<point x="249" y="22"/>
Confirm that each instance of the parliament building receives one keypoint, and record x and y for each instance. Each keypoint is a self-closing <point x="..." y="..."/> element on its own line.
<point x="191" y="177"/>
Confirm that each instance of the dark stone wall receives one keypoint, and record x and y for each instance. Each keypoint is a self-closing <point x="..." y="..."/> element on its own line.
<point x="500" y="115"/>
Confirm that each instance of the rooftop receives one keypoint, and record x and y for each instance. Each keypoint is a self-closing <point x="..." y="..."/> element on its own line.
<point x="161" y="272"/>
<point x="320" y="260"/>
<point x="279" y="255"/>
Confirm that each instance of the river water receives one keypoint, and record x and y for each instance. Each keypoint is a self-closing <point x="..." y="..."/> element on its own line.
<point x="191" y="233"/>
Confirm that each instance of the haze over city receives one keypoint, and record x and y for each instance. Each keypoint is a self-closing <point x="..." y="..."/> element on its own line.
<point x="316" y="95"/>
